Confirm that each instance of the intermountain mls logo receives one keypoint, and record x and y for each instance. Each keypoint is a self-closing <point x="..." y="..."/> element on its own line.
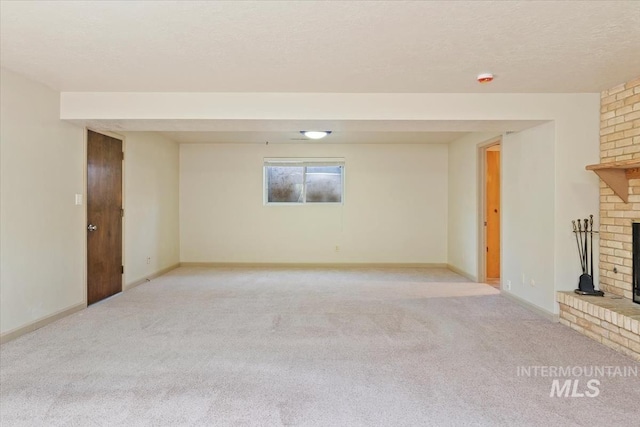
<point x="576" y="381"/>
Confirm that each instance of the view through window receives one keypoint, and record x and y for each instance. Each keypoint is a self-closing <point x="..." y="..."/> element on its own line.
<point x="304" y="181"/>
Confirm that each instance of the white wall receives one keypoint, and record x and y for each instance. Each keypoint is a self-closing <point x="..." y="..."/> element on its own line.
<point x="151" y="228"/>
<point x="528" y="215"/>
<point x="395" y="208"/>
<point x="575" y="144"/>
<point x="537" y="243"/>
<point x="577" y="191"/>
<point x="463" y="202"/>
<point x="42" y="230"/>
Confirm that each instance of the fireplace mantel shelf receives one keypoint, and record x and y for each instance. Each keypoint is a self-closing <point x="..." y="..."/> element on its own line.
<point x="617" y="174"/>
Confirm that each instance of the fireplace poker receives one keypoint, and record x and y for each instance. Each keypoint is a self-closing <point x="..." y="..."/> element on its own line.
<point x="575" y="231"/>
<point x="591" y="233"/>
<point x="586" y="260"/>
<point x="580" y="246"/>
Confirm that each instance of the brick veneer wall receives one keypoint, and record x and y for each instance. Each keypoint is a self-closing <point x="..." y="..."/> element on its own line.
<point x="619" y="141"/>
<point x="614" y="323"/>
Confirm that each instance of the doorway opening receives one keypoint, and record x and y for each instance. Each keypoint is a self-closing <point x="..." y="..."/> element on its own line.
<point x="490" y="213"/>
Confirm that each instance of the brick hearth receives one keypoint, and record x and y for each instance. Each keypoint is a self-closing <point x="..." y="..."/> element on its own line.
<point x="611" y="320"/>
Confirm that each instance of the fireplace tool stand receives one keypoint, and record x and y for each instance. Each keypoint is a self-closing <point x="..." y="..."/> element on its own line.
<point x="584" y="240"/>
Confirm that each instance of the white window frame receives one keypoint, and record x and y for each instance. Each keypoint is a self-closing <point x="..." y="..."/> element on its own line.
<point x="300" y="162"/>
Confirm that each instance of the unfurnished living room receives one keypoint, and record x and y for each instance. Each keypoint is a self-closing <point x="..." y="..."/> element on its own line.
<point x="319" y="213"/>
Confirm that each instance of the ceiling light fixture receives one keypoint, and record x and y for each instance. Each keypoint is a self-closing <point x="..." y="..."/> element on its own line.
<point x="485" y="78"/>
<point x="315" y="134"/>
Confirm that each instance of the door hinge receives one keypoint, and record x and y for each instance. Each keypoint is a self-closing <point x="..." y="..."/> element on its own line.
<point x="123" y="155"/>
<point x="122" y="269"/>
<point x="122" y="212"/>
<point x="485" y="223"/>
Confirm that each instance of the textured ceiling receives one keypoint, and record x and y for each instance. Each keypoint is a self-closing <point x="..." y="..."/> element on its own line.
<point x="339" y="46"/>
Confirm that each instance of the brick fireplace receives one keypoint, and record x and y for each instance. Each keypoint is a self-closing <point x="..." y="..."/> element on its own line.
<point x="619" y="142"/>
<point x="614" y="320"/>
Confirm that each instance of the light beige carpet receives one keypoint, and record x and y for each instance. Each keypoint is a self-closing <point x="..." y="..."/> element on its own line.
<point x="309" y="347"/>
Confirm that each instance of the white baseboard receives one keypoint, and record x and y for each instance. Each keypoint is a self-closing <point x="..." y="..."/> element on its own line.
<point x="462" y="273"/>
<point x="149" y="278"/>
<point x="311" y="265"/>
<point x="526" y="304"/>
<point x="15" y="333"/>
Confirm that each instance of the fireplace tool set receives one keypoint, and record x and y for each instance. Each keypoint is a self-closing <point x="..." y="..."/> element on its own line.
<point x="583" y="230"/>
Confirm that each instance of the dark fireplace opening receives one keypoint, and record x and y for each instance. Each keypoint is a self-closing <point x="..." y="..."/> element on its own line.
<point x="636" y="262"/>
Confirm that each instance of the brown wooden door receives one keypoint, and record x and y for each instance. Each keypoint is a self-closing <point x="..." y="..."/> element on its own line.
<point x="104" y="216"/>
<point x="493" y="214"/>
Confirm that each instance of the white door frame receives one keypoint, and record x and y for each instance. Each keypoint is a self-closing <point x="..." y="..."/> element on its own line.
<point x="482" y="208"/>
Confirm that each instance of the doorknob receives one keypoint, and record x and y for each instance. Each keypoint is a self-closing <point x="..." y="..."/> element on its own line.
<point x="92" y="227"/>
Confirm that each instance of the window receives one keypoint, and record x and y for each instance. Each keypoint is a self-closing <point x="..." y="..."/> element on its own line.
<point x="303" y="180"/>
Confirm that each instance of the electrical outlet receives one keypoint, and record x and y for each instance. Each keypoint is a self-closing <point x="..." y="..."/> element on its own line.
<point x="508" y="285"/>
<point x="148" y="260"/>
<point x="337" y="248"/>
<point x="533" y="282"/>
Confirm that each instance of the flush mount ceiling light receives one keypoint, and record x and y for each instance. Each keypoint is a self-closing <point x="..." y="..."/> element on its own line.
<point x="315" y="134"/>
<point x="485" y="78"/>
